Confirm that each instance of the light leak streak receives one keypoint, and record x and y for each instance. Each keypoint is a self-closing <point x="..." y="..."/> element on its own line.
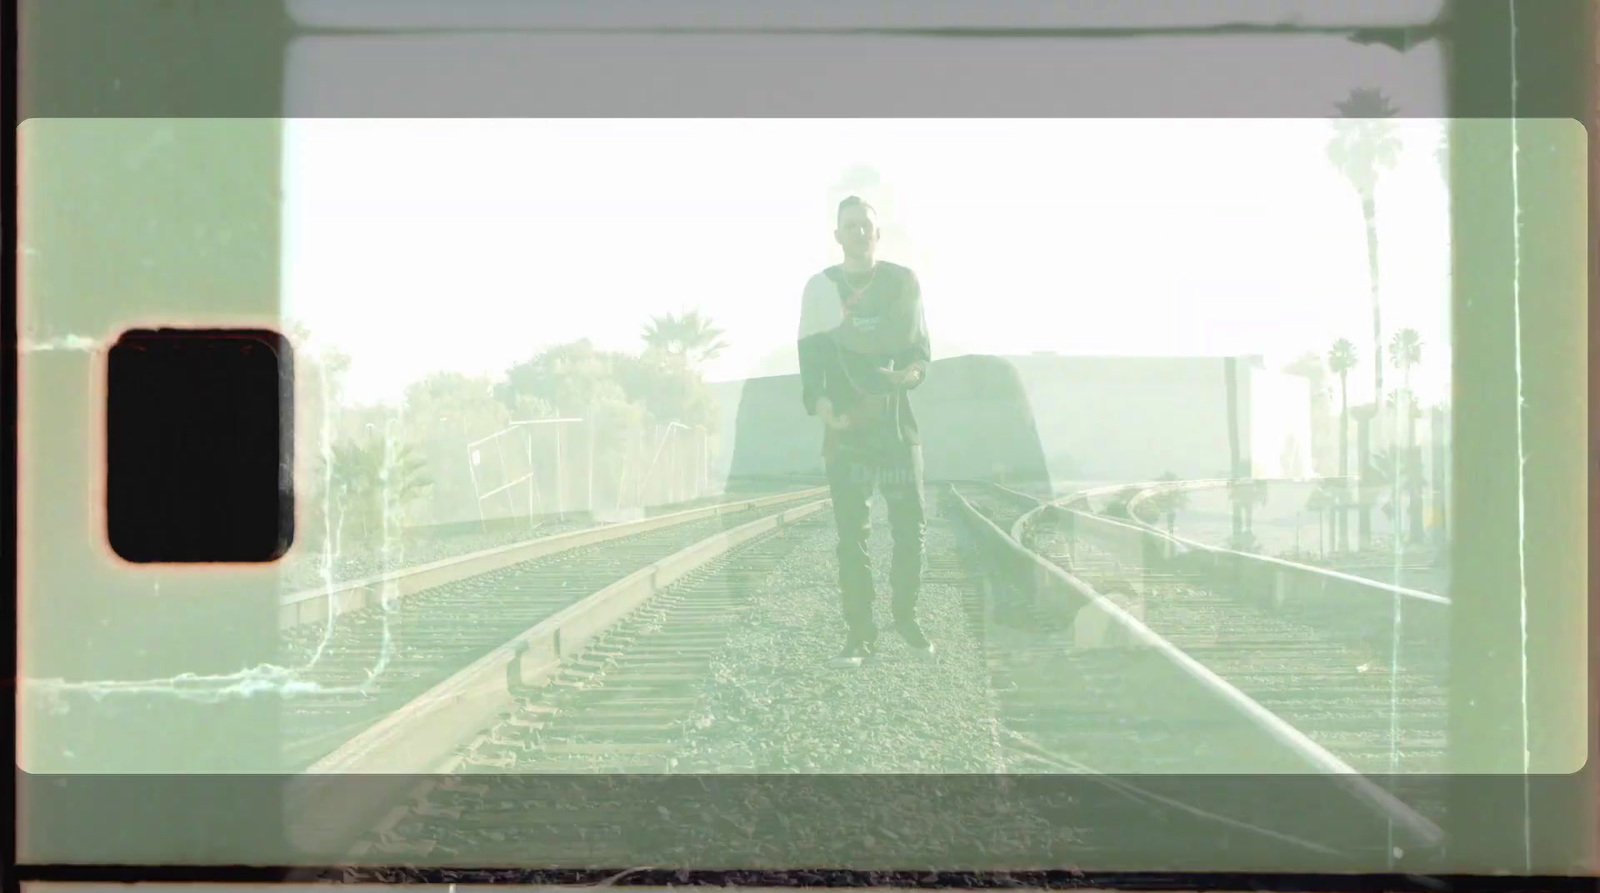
<point x="1397" y="526"/>
<point x="1522" y="454"/>
<point x="267" y="678"/>
<point x="330" y="548"/>
<point x="263" y="679"/>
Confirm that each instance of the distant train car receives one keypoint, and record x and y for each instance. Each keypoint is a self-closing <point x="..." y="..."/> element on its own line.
<point x="1041" y="418"/>
<point x="973" y="411"/>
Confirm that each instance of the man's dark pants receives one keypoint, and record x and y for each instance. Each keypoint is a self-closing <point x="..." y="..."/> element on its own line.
<point x="852" y="477"/>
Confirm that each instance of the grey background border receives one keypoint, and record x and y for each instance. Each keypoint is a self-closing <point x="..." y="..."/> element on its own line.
<point x="225" y="58"/>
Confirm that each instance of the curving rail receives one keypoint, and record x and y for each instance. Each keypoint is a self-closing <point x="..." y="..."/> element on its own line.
<point x="1358" y="584"/>
<point x="1049" y="581"/>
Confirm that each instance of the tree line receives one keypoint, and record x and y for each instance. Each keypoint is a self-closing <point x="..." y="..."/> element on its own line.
<point x="375" y="468"/>
<point x="1365" y="144"/>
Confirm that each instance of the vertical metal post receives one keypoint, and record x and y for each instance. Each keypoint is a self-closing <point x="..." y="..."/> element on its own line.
<point x="561" y="505"/>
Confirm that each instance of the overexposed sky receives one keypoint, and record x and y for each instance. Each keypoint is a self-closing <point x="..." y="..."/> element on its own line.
<point x="467" y="245"/>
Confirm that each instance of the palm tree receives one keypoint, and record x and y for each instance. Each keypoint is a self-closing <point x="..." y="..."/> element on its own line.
<point x="1402" y="405"/>
<point x="1341" y="359"/>
<point x="689" y="336"/>
<point x="1390" y="469"/>
<point x="1365" y="144"/>
<point x="364" y="475"/>
<point x="404" y="477"/>
<point x="353" y="475"/>
<point x="1405" y="351"/>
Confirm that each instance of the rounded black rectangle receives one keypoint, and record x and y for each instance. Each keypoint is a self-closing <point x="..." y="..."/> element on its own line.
<point x="199" y="446"/>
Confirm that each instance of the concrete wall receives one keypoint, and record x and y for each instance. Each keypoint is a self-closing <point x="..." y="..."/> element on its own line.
<point x="974" y="414"/>
<point x="1130" y="418"/>
<point x="1080" y="418"/>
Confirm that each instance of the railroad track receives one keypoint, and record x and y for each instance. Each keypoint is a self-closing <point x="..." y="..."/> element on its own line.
<point x="1005" y="507"/>
<point x="607" y="689"/>
<point x="621" y="706"/>
<point x="304" y="570"/>
<point x="1143" y="694"/>
<point x="1071" y="706"/>
<point x="1339" y="687"/>
<point x="374" y="659"/>
<point x="1333" y="663"/>
<point x="1325" y="666"/>
<point x="625" y="704"/>
<point x="657" y="597"/>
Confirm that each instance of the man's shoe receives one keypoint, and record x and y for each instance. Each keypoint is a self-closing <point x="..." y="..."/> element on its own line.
<point x="912" y="633"/>
<point x="855" y="654"/>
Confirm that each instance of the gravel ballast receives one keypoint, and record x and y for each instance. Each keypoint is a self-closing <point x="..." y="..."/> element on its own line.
<point x="822" y="755"/>
<point x="772" y="704"/>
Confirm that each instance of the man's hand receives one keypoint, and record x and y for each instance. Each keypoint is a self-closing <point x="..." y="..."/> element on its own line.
<point x="899" y="378"/>
<point x="825" y="410"/>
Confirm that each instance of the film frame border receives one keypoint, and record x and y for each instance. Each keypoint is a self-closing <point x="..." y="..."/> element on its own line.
<point x="1547" y="88"/>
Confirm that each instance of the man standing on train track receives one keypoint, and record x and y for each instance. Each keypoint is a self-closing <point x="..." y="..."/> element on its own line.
<point x="863" y="347"/>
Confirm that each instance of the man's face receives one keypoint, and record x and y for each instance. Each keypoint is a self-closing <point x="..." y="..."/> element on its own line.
<point x="858" y="231"/>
